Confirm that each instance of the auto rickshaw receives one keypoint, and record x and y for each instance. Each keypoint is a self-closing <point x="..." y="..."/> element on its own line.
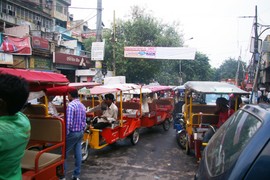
<point x="46" y="163"/>
<point x="127" y="125"/>
<point x="160" y="108"/>
<point x="200" y="107"/>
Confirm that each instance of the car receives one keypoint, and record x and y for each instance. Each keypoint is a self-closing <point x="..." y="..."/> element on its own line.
<point x="240" y="149"/>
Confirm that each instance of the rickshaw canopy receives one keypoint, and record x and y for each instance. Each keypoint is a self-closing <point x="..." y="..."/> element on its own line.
<point x="213" y="87"/>
<point x="113" y="88"/>
<point x="156" y="88"/>
<point x="61" y="90"/>
<point x="83" y="85"/>
<point x="38" y="80"/>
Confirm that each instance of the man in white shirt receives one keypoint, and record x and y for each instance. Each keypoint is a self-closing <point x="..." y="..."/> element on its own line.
<point x="109" y="112"/>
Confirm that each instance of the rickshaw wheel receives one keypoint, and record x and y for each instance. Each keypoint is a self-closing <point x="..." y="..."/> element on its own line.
<point x="181" y="139"/>
<point x="187" y="149"/>
<point x="135" y="137"/>
<point x="85" y="151"/>
<point x="166" y="125"/>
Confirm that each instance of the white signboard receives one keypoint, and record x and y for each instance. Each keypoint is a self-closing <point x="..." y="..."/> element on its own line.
<point x="6" y="58"/>
<point x="175" y="53"/>
<point x="97" y="51"/>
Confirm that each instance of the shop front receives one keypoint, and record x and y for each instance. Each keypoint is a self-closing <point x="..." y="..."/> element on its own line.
<point x="67" y="64"/>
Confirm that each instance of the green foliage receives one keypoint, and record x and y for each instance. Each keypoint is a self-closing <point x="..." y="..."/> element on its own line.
<point x="228" y="70"/>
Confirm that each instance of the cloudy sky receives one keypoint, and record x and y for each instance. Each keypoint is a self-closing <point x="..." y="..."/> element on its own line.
<point x="217" y="27"/>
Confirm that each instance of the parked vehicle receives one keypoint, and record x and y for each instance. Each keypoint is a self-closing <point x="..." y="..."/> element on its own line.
<point x="180" y="127"/>
<point x="43" y="163"/>
<point x="160" y="108"/>
<point x="128" y="124"/>
<point x="240" y="149"/>
<point x="199" y="110"/>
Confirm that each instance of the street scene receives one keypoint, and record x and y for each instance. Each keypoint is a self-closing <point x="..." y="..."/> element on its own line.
<point x="134" y="90"/>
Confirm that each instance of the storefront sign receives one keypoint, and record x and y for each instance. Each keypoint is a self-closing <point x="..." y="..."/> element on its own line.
<point x="40" y="43"/>
<point x="74" y="60"/>
<point x="6" y="58"/>
<point x="19" y="62"/>
<point x="40" y="63"/>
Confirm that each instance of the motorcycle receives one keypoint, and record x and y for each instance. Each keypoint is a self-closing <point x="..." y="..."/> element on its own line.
<point x="180" y="127"/>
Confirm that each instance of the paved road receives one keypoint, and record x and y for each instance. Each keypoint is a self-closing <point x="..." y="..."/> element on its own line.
<point x="155" y="157"/>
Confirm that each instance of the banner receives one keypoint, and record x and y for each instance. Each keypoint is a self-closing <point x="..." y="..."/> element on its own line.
<point x="16" y="46"/>
<point x="174" y="53"/>
<point x="40" y="43"/>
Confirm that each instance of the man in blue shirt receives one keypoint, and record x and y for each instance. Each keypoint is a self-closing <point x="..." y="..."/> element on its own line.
<point x="75" y="124"/>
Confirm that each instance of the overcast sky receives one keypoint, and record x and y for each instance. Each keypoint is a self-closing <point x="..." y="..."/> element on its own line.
<point x="216" y="26"/>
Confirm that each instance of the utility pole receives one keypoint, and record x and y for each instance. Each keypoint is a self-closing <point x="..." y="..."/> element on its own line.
<point x="237" y="72"/>
<point x="114" y="41"/>
<point x="98" y="64"/>
<point x="256" y="61"/>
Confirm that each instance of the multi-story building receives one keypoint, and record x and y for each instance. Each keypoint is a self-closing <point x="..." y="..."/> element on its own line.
<point x="52" y="39"/>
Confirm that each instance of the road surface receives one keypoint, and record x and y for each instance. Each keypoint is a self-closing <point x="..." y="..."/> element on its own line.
<point x="156" y="157"/>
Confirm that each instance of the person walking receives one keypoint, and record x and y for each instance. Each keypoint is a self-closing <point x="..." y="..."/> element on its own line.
<point x="75" y="124"/>
<point x="14" y="125"/>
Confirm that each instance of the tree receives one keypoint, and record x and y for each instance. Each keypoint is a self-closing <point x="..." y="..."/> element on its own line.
<point x="198" y="70"/>
<point x="228" y="70"/>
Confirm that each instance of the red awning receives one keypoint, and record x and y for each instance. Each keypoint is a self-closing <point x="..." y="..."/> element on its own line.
<point x="38" y="80"/>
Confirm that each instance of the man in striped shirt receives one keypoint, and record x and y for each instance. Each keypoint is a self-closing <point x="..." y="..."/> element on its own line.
<point x="75" y="124"/>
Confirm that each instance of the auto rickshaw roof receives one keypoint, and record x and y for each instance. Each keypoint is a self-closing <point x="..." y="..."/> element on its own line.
<point x="37" y="80"/>
<point x="84" y="84"/>
<point x="213" y="87"/>
<point x="156" y="88"/>
<point x="113" y="88"/>
<point x="60" y="90"/>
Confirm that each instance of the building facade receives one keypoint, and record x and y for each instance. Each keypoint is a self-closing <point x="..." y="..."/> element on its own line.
<point x="41" y="35"/>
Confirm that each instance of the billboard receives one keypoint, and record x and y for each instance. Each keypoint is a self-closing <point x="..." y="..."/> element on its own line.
<point x="16" y="46"/>
<point x="40" y="43"/>
<point x="174" y="53"/>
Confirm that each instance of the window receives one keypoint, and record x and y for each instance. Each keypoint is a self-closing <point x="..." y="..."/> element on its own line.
<point x="59" y="8"/>
<point x="226" y="145"/>
<point x="10" y="10"/>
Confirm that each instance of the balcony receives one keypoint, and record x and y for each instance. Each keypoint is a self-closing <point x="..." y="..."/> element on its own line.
<point x="7" y="18"/>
